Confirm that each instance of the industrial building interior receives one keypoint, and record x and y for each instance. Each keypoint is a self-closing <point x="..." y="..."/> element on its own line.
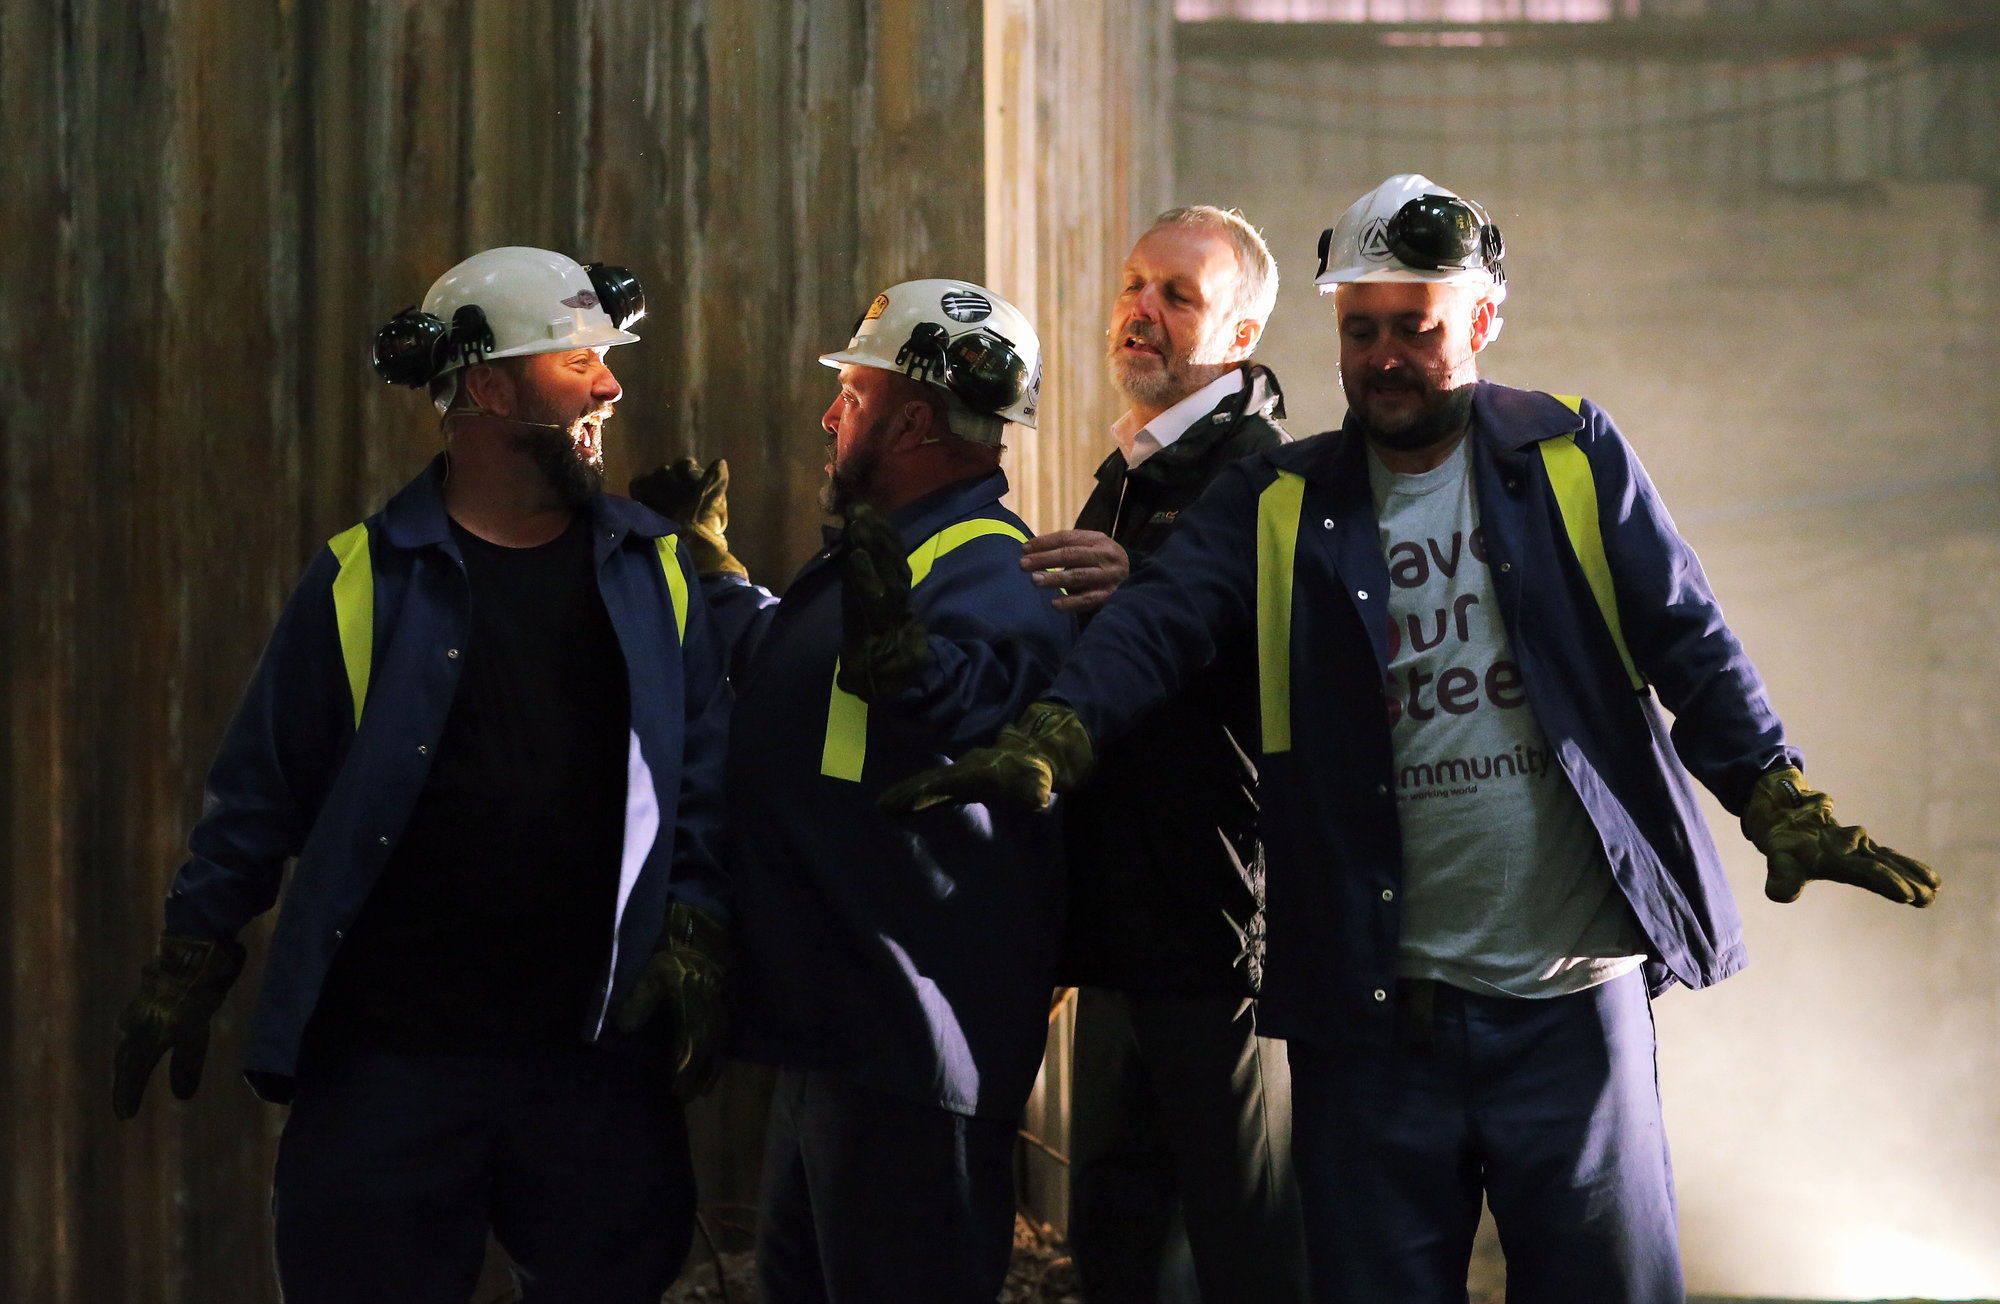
<point x="1763" y="234"/>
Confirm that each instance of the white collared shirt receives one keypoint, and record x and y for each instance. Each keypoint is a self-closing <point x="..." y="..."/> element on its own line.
<point x="1170" y="425"/>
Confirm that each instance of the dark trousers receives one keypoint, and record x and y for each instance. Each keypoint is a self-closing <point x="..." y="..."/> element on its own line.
<point x="1177" y="1101"/>
<point x="393" y="1166"/>
<point x="1551" y="1107"/>
<point x="869" y="1198"/>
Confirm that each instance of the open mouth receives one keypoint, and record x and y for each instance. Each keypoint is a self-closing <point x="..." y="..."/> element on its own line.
<point x="1134" y="344"/>
<point x="588" y="434"/>
<point x="1393" y="389"/>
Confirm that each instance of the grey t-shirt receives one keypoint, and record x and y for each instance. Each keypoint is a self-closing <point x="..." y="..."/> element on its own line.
<point x="1506" y="889"/>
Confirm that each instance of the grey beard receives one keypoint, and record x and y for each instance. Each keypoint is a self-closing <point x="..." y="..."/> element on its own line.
<point x="1437" y="423"/>
<point x="1167" y="386"/>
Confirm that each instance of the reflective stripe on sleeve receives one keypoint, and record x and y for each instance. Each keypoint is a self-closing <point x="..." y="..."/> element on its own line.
<point x="845" y="751"/>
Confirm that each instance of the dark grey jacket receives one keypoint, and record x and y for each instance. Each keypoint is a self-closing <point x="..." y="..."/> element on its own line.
<point x="1166" y="874"/>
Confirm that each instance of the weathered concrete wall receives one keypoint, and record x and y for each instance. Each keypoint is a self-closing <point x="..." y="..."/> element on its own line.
<point x="1810" y="382"/>
<point x="1078" y="162"/>
<point x="211" y="204"/>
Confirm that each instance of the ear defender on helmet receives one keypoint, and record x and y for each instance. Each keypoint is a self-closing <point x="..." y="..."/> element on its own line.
<point x="410" y="348"/>
<point x="1445" y="233"/>
<point x="618" y="293"/>
<point x="414" y="347"/>
<point x="982" y="367"/>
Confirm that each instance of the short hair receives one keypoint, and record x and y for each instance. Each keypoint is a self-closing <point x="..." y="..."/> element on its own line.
<point x="1257" y="280"/>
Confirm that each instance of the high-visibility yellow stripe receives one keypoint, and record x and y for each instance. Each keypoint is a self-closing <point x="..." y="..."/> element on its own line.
<point x="354" y="609"/>
<point x="846" y="748"/>
<point x="845" y="751"/>
<point x="677" y="583"/>
<point x="1278" y="511"/>
<point x="952" y="536"/>
<point x="1576" y="500"/>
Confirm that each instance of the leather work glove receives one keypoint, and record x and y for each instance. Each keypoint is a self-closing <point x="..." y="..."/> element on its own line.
<point x="883" y="649"/>
<point x="682" y="988"/>
<point x="1794" y="827"/>
<point x="180" y="989"/>
<point x="1046" y="751"/>
<point x="699" y="500"/>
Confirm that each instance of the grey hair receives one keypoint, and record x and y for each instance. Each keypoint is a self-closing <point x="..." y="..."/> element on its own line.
<point x="1257" y="282"/>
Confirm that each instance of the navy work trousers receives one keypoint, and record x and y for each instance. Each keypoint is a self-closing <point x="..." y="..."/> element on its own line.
<point x="869" y="1198"/>
<point x="1177" y="1101"/>
<point x="1551" y="1107"/>
<point x="393" y="1166"/>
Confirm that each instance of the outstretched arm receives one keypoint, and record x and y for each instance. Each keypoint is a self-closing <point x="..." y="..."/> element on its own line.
<point x="1726" y="730"/>
<point x="1157" y="632"/>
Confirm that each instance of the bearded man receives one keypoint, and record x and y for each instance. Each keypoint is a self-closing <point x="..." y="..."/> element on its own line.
<point x="1467" y="609"/>
<point x="897" y="974"/>
<point x="489" y="727"/>
<point x="1175" y="1099"/>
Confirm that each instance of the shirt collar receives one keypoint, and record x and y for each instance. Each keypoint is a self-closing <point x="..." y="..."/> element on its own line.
<point x="1170" y="425"/>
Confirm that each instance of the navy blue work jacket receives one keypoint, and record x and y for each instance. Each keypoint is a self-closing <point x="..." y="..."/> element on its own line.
<point x="296" y="777"/>
<point x="1331" y="837"/>
<point x="914" y="955"/>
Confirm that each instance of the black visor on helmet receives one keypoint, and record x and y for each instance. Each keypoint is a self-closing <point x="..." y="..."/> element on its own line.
<point x="618" y="293"/>
<point x="1441" y="233"/>
<point x="981" y="366"/>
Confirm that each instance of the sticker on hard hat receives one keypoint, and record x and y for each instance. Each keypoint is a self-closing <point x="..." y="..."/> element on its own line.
<point x="965" y="306"/>
<point x="1375" y="241"/>
<point x="581" y="299"/>
<point x="877" y="308"/>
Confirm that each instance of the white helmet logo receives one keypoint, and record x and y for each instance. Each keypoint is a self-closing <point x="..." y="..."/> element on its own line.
<point x="1375" y="241"/>
<point x="965" y="306"/>
<point x="581" y="299"/>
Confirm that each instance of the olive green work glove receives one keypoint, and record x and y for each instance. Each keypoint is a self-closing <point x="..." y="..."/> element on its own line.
<point x="682" y="988"/>
<point x="699" y="500"/>
<point x="1044" y="752"/>
<point x="180" y="989"/>
<point x="883" y="649"/>
<point x="1794" y="827"/>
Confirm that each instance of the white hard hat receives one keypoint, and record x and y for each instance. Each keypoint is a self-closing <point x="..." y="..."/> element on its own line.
<point x="1409" y="228"/>
<point x="505" y="303"/>
<point x="961" y="337"/>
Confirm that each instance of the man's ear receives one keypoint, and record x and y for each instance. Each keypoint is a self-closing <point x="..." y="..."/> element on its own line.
<point x="1244" y="342"/>
<point x="1483" y="314"/>
<point x="921" y="424"/>
<point x="490" y="388"/>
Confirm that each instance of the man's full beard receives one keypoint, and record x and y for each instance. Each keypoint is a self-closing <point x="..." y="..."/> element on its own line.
<point x="576" y="475"/>
<point x="853" y="476"/>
